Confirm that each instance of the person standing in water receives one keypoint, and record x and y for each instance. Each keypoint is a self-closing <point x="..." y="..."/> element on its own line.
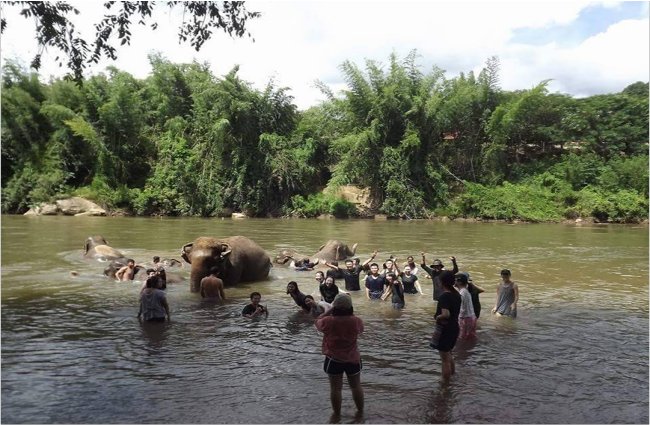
<point x="474" y="291"/>
<point x="329" y="290"/>
<point x="395" y="290"/>
<point x="410" y="281"/>
<point x="350" y="274"/>
<point x="374" y="283"/>
<point x="153" y="302"/>
<point x="410" y="261"/>
<point x="341" y="328"/>
<point x="447" y="328"/>
<point x="466" y="317"/>
<point x="212" y="286"/>
<point x="435" y="271"/>
<point x="507" y="296"/>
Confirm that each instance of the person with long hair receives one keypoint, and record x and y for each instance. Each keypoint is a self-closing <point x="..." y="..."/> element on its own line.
<point x="153" y="302"/>
<point x="298" y="297"/>
<point x="446" y="333"/>
<point x="341" y="328"/>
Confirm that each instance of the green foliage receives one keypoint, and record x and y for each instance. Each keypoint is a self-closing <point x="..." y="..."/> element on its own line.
<point x="320" y="203"/>
<point x="187" y="143"/>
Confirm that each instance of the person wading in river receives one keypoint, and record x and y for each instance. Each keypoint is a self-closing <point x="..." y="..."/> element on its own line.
<point x="341" y="328"/>
<point x="374" y="283"/>
<point x="350" y="274"/>
<point x="153" y="302"/>
<point x="507" y="296"/>
<point x="254" y="309"/>
<point x="212" y="286"/>
<point x="434" y="273"/>
<point x="447" y="329"/>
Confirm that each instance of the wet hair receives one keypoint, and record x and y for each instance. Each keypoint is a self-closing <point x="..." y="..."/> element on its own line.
<point x="356" y="260"/>
<point x="392" y="275"/>
<point x="310" y="297"/>
<point x="130" y="260"/>
<point x="294" y="284"/>
<point x="410" y="259"/>
<point x="305" y="260"/>
<point x="349" y="261"/>
<point x="156" y="258"/>
<point x="333" y="280"/>
<point x="148" y="271"/>
<point x="152" y="282"/>
<point x="337" y="311"/>
<point x="374" y="264"/>
<point x="320" y="273"/>
<point x="447" y="279"/>
<point x="214" y="270"/>
<point x="256" y="294"/>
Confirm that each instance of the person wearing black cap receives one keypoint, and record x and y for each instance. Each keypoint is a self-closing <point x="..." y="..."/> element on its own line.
<point x="435" y="271"/>
<point x="507" y="296"/>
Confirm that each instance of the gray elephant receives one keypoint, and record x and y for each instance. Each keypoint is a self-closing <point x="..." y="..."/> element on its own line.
<point x="96" y="248"/>
<point x="333" y="250"/>
<point x="238" y="258"/>
<point x="140" y="272"/>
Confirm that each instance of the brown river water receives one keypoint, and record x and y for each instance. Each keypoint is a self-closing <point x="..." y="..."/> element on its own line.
<point x="73" y="350"/>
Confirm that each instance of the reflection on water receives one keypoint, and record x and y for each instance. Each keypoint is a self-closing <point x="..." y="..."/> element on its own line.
<point x="74" y="351"/>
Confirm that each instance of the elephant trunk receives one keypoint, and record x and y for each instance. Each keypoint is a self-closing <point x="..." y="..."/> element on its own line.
<point x="199" y="271"/>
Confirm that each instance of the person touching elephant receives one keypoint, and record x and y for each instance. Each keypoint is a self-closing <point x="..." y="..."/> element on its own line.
<point x="237" y="258"/>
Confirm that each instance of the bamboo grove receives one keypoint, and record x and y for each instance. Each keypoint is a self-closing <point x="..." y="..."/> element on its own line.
<point x="184" y="142"/>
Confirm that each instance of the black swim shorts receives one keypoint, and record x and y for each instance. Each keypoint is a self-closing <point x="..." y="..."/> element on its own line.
<point x="335" y="367"/>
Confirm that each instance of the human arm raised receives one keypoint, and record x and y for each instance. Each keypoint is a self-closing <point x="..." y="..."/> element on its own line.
<point x="453" y="261"/>
<point x="372" y="257"/>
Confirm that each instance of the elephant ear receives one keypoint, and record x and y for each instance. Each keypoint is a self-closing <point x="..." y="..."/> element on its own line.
<point x="225" y="250"/>
<point x="186" y="250"/>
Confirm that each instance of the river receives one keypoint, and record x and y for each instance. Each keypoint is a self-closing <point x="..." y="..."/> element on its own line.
<point x="73" y="350"/>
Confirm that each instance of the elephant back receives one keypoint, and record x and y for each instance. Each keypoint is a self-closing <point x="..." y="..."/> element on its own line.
<point x="249" y="257"/>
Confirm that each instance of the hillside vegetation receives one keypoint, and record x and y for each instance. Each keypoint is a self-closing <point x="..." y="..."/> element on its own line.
<point x="184" y="142"/>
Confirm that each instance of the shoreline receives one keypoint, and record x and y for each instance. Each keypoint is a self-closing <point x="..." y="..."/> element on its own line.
<point x="379" y="217"/>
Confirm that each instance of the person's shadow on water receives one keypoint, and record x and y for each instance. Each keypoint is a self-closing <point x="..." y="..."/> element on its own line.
<point x="441" y="406"/>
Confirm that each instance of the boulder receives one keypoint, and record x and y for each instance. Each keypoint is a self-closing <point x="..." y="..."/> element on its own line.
<point x="92" y="213"/>
<point x="43" y="209"/>
<point x="76" y="205"/>
<point x="381" y="217"/>
<point x="238" y="215"/>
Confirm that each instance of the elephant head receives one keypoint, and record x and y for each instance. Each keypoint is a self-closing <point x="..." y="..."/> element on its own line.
<point x="286" y="255"/>
<point x="92" y="242"/>
<point x="203" y="254"/>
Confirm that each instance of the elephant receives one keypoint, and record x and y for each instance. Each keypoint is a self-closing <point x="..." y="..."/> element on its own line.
<point x="96" y="248"/>
<point x="333" y="250"/>
<point x="140" y="272"/>
<point x="238" y="258"/>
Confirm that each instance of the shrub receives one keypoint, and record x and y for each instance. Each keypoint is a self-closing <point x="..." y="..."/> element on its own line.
<point x="320" y="203"/>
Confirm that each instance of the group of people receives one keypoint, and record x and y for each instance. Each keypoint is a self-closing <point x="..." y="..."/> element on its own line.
<point x="458" y="308"/>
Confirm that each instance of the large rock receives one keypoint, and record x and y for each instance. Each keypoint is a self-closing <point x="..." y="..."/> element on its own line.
<point x="92" y="213"/>
<point x="43" y="209"/>
<point x="77" y="205"/>
<point x="239" y="215"/>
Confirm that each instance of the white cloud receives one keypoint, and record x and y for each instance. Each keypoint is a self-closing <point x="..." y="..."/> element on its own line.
<point x="301" y="42"/>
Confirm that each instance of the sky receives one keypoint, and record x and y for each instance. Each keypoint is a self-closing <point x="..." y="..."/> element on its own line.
<point x="586" y="48"/>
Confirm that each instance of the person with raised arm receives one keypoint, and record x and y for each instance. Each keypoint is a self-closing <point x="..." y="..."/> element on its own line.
<point x="435" y="271"/>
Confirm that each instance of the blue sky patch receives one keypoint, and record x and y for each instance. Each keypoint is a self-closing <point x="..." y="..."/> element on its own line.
<point x="592" y="20"/>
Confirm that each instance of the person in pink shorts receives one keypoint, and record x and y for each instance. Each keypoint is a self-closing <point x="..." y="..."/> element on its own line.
<point x="466" y="318"/>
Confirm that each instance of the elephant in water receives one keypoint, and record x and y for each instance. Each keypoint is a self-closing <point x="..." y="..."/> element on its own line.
<point x="238" y="259"/>
<point x="140" y="272"/>
<point x="96" y="248"/>
<point x="333" y="250"/>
